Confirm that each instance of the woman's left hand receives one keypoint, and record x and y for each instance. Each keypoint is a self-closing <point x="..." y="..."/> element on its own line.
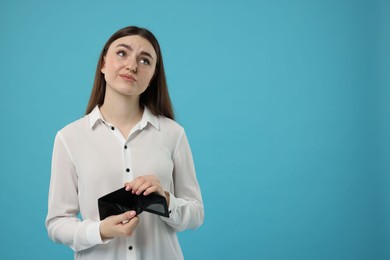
<point x="145" y="185"/>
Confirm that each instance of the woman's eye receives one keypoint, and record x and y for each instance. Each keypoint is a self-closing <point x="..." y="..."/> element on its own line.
<point x="144" y="61"/>
<point x="121" y="53"/>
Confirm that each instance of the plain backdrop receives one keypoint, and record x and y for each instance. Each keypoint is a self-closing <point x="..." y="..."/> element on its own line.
<point x="285" y="103"/>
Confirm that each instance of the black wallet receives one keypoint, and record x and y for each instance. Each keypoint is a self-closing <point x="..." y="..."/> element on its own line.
<point x="120" y="201"/>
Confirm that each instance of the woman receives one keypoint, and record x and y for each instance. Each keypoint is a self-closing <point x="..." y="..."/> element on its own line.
<point x="128" y="137"/>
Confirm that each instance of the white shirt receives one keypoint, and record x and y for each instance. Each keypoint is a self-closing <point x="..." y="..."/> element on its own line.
<point x="92" y="158"/>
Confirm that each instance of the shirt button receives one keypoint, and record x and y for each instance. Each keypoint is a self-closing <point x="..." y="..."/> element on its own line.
<point x="125" y="146"/>
<point x="128" y="170"/>
<point x="112" y="128"/>
<point x="130" y="248"/>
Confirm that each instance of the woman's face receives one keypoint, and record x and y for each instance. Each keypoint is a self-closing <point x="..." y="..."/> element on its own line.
<point x="129" y="65"/>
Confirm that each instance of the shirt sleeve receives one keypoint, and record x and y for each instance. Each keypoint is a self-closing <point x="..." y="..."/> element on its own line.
<point x="186" y="205"/>
<point x="62" y="223"/>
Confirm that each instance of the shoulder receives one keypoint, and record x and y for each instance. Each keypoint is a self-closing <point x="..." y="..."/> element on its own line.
<point x="75" y="127"/>
<point x="170" y="131"/>
<point x="168" y="125"/>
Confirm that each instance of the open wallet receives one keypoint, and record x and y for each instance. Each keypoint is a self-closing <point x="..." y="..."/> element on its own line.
<point x="120" y="201"/>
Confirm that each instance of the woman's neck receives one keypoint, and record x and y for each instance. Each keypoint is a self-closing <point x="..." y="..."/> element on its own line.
<point x="124" y="112"/>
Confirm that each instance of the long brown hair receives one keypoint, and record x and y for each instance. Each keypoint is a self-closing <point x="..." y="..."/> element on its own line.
<point x="155" y="97"/>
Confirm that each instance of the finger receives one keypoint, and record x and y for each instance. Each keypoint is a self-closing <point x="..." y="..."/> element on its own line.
<point x="137" y="184"/>
<point x="144" y="186"/>
<point x="125" y="217"/>
<point x="132" y="222"/>
<point x="151" y="190"/>
<point x="127" y="186"/>
<point x="130" y="226"/>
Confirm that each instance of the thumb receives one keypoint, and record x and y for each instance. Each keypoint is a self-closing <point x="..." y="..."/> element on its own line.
<point x="125" y="217"/>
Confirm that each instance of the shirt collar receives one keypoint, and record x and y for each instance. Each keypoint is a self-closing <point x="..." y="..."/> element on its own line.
<point x="149" y="117"/>
<point x="95" y="116"/>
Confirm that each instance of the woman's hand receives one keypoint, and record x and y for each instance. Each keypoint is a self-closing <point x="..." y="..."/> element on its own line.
<point x="145" y="185"/>
<point x="122" y="225"/>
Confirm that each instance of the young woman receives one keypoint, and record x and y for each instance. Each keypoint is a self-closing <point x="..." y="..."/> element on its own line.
<point x="128" y="137"/>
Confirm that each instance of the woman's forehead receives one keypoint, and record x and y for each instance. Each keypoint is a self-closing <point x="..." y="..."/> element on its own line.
<point x="135" y="42"/>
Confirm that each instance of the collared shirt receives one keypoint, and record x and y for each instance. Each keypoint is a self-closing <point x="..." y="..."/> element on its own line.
<point x="92" y="158"/>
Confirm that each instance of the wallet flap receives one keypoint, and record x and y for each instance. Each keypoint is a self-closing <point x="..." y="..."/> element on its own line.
<point x="107" y="209"/>
<point x="156" y="204"/>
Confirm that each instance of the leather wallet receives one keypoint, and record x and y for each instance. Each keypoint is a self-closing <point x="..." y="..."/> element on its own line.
<point x="120" y="201"/>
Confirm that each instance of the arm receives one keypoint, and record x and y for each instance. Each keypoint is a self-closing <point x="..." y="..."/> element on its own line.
<point x="62" y="223"/>
<point x="185" y="203"/>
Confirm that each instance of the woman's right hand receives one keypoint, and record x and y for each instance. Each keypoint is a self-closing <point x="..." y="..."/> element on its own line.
<point x="122" y="225"/>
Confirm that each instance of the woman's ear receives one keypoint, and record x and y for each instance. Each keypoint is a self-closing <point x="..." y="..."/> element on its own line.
<point x="103" y="67"/>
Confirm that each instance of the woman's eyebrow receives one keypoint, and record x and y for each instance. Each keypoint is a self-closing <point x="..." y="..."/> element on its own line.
<point x="130" y="49"/>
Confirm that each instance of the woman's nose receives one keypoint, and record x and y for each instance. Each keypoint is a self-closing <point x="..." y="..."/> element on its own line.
<point x="131" y="65"/>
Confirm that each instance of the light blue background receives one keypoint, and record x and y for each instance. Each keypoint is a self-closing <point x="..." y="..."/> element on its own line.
<point x="285" y="103"/>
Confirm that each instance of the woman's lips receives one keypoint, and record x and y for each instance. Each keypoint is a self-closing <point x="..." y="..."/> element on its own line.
<point x="127" y="77"/>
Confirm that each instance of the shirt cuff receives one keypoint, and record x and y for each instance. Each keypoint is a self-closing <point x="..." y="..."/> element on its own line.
<point x="172" y="207"/>
<point x="93" y="234"/>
